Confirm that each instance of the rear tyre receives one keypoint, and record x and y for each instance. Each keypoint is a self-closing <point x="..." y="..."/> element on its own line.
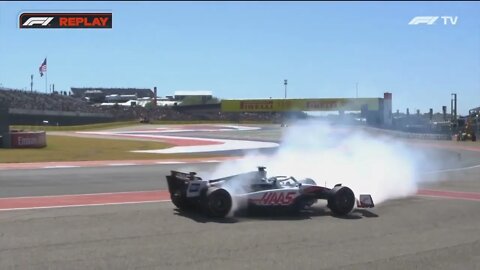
<point x="342" y="201"/>
<point x="218" y="203"/>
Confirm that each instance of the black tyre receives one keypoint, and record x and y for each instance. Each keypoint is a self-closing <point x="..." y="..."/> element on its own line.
<point x="342" y="201"/>
<point x="179" y="200"/>
<point x="218" y="203"/>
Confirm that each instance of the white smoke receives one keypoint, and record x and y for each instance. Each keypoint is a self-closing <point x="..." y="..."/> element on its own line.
<point x="367" y="163"/>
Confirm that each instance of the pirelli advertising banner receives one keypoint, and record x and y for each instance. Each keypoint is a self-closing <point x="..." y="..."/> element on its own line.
<point x="283" y="105"/>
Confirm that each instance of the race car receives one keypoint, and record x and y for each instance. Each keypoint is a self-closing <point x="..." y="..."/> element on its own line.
<point x="255" y="190"/>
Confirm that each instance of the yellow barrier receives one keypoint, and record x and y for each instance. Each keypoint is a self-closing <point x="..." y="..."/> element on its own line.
<point x="282" y="105"/>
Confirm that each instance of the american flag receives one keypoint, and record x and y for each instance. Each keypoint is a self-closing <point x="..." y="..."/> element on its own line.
<point x="43" y="67"/>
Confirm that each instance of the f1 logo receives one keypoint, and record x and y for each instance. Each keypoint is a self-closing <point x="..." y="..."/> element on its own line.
<point x="423" y="20"/>
<point x="38" y="20"/>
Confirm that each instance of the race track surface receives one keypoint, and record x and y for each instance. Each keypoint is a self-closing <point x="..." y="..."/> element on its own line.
<point x="432" y="230"/>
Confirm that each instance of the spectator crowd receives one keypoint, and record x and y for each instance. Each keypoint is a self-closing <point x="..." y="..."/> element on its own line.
<point x="56" y="101"/>
<point x="60" y="101"/>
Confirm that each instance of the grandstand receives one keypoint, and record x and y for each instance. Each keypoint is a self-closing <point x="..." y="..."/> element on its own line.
<point x="19" y="99"/>
<point x="33" y="108"/>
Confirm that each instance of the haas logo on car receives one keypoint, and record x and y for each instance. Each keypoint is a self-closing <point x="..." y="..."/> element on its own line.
<point x="276" y="198"/>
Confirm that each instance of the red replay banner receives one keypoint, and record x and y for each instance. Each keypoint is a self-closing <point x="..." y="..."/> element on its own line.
<point x="28" y="139"/>
<point x="65" y="20"/>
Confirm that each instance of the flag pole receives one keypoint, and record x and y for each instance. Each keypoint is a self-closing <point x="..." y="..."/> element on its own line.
<point x="46" y="78"/>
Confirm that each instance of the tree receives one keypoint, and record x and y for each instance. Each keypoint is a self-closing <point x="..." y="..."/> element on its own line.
<point x="150" y="106"/>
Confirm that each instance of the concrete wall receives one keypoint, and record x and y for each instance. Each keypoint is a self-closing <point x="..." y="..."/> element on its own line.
<point x="4" y="126"/>
<point x="36" y="117"/>
<point x="4" y="119"/>
<point x="56" y="113"/>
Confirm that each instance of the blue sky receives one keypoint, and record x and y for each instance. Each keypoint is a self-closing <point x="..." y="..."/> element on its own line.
<point x="247" y="49"/>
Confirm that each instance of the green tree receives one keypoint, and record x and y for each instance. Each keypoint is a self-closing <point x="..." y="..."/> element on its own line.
<point x="150" y="106"/>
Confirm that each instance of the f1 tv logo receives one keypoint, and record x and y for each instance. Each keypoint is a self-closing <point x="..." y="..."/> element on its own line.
<point x="65" y="20"/>
<point x="430" y="20"/>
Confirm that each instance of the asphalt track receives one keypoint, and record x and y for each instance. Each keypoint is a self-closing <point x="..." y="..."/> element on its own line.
<point x="433" y="230"/>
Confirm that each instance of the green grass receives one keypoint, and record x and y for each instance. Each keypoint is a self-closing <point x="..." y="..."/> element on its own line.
<point x="69" y="148"/>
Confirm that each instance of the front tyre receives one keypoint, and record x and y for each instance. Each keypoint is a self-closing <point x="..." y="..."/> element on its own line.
<point x="218" y="203"/>
<point x="342" y="201"/>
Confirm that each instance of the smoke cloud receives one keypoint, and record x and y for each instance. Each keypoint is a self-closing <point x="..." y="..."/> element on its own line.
<point x="367" y="163"/>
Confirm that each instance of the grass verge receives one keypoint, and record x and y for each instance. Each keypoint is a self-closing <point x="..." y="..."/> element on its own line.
<point x="68" y="148"/>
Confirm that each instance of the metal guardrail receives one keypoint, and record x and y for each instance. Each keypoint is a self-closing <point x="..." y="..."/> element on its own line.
<point x="57" y="113"/>
<point x="410" y="135"/>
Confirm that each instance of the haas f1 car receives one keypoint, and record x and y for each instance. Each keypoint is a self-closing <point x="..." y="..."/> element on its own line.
<point x="215" y="197"/>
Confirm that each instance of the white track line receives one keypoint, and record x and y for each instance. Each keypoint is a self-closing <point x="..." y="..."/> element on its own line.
<point x="170" y="162"/>
<point x="80" y="195"/>
<point x="60" y="167"/>
<point x="217" y="144"/>
<point x="113" y="165"/>
<point x="453" y="170"/>
<point x="446" y="197"/>
<point x="227" y="145"/>
<point x="121" y="164"/>
<point x="79" y="205"/>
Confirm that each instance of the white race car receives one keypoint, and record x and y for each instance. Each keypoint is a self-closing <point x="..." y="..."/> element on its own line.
<point x="216" y="196"/>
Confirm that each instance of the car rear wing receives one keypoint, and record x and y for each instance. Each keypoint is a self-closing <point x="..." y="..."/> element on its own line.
<point x="179" y="180"/>
<point x="184" y="176"/>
